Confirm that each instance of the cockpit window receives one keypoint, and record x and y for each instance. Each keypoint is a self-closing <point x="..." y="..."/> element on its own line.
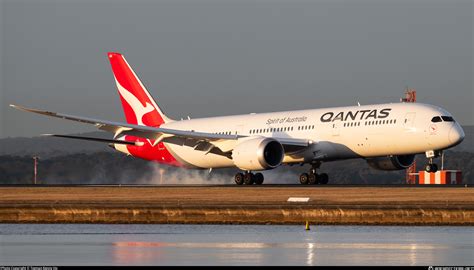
<point x="447" y="118"/>
<point x="436" y="119"/>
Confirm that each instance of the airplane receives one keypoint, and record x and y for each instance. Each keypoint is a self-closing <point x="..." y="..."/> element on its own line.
<point x="387" y="136"/>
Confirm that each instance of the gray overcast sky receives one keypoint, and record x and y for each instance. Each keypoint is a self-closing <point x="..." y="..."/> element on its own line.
<point x="205" y="58"/>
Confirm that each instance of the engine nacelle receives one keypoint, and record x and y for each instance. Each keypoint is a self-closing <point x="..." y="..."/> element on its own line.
<point x="391" y="163"/>
<point x="258" y="154"/>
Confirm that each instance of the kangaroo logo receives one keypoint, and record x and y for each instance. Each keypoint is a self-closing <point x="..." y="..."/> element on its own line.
<point x="136" y="105"/>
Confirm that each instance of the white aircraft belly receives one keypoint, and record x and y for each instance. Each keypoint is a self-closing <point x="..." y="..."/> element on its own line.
<point x="189" y="156"/>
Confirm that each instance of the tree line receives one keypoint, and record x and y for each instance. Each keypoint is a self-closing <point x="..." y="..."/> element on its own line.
<point x="116" y="168"/>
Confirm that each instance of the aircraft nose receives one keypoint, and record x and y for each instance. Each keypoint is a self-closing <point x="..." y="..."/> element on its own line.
<point x="456" y="134"/>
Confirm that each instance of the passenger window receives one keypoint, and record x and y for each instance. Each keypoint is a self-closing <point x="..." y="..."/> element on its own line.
<point x="436" y="119"/>
<point x="447" y="118"/>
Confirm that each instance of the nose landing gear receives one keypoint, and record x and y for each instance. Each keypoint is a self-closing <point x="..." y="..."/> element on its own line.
<point x="431" y="167"/>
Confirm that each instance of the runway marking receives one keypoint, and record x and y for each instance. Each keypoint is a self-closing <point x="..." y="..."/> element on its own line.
<point x="298" y="199"/>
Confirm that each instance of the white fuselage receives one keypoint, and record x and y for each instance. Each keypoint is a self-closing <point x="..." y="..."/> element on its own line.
<point x="336" y="133"/>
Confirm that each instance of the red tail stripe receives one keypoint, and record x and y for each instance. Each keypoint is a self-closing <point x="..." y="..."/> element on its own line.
<point x="125" y="77"/>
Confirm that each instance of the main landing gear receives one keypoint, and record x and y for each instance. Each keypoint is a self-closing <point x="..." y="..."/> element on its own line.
<point x="431" y="167"/>
<point x="248" y="178"/>
<point x="312" y="178"/>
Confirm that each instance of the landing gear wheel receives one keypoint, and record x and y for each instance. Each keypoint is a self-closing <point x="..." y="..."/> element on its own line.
<point x="249" y="178"/>
<point x="239" y="179"/>
<point x="304" y="178"/>
<point x="323" y="178"/>
<point x="258" y="178"/>
<point x="312" y="179"/>
<point x="428" y="168"/>
<point x="431" y="168"/>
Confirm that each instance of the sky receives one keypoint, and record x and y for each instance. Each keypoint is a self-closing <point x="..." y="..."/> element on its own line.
<point x="206" y="58"/>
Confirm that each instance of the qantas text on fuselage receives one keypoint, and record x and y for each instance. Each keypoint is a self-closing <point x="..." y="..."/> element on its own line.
<point x="350" y="115"/>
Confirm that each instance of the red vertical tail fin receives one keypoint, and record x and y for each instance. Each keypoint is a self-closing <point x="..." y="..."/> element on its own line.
<point x="138" y="105"/>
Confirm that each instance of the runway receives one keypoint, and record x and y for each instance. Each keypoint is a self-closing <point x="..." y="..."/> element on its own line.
<point x="239" y="204"/>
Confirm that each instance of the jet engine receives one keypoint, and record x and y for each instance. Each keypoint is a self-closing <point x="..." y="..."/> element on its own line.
<point x="391" y="163"/>
<point x="258" y="154"/>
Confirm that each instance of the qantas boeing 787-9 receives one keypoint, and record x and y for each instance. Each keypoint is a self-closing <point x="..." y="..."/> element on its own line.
<point x="388" y="136"/>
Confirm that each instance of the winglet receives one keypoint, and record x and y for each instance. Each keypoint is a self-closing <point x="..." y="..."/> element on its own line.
<point x="16" y="107"/>
<point x="21" y="108"/>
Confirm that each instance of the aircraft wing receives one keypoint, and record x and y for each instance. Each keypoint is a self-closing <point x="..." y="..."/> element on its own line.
<point x="203" y="141"/>
<point x="94" y="139"/>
